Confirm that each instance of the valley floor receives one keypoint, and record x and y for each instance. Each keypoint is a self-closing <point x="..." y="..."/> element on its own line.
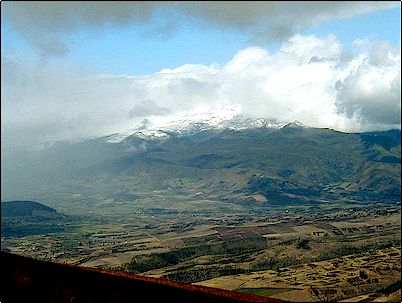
<point x="310" y="254"/>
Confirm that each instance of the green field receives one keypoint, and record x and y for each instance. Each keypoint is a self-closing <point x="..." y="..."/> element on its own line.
<point x="264" y="291"/>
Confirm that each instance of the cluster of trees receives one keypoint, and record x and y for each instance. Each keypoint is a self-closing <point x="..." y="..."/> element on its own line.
<point x="23" y="229"/>
<point x="303" y="243"/>
<point x="192" y="276"/>
<point x="274" y="263"/>
<point x="391" y="288"/>
<point x="353" y="249"/>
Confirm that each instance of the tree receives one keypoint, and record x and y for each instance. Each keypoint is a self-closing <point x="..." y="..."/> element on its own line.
<point x="363" y="275"/>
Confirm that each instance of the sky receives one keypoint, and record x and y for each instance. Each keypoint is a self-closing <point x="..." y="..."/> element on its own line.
<point x="81" y="69"/>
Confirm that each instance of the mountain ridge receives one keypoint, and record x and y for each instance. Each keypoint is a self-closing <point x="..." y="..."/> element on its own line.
<point x="288" y="165"/>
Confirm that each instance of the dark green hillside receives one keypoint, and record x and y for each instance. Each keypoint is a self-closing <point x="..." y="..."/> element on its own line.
<point x="25" y="218"/>
<point x="296" y="165"/>
<point x="25" y="209"/>
<point x="387" y="139"/>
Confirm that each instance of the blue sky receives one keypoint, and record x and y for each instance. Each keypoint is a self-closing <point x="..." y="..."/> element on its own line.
<point x="131" y="50"/>
<point x="376" y="26"/>
<point x="79" y="69"/>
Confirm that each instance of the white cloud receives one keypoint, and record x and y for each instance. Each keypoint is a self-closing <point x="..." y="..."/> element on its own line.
<point x="371" y="91"/>
<point x="308" y="79"/>
<point x="148" y="108"/>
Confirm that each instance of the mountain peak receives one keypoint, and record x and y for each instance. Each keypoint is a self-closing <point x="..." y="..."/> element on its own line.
<point x="218" y="119"/>
<point x="296" y="124"/>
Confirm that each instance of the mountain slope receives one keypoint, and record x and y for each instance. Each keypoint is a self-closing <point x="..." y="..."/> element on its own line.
<point x="219" y="168"/>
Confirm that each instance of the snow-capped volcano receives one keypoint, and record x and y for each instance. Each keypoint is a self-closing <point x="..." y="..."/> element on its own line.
<point x="220" y="119"/>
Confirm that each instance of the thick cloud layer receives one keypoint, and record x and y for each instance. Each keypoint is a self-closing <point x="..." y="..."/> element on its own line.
<point x="309" y="79"/>
<point x="46" y="25"/>
<point x="372" y="90"/>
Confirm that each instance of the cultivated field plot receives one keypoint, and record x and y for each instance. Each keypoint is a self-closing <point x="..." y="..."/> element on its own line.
<point x="334" y="279"/>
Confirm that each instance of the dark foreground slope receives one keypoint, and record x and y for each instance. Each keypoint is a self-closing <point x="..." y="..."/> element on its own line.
<point x="28" y="280"/>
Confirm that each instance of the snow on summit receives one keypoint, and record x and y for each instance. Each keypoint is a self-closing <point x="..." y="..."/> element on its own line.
<point x="191" y="123"/>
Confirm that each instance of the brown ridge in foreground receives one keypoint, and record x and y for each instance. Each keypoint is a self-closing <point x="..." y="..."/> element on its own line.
<point x="28" y="280"/>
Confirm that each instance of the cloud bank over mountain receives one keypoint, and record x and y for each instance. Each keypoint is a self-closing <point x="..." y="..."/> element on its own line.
<point x="309" y="79"/>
